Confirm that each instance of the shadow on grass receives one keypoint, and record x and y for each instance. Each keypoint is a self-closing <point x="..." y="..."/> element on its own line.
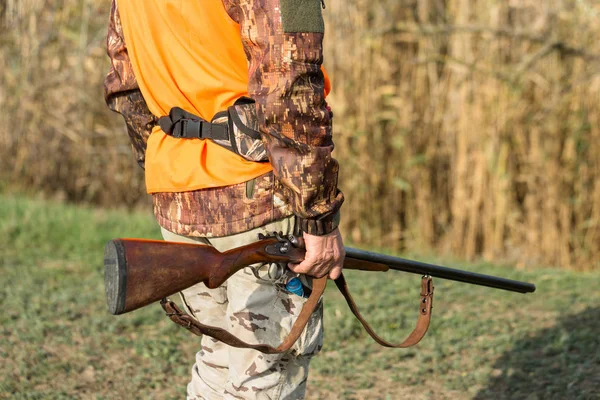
<point x="561" y="362"/>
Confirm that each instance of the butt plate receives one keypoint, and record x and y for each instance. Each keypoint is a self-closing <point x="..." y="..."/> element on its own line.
<point x="115" y="276"/>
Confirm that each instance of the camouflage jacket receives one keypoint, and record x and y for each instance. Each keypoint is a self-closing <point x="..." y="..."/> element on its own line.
<point x="284" y="58"/>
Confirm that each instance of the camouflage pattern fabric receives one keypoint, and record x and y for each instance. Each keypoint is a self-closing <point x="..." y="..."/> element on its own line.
<point x="120" y="77"/>
<point x="248" y="147"/>
<point x="255" y="311"/>
<point x="221" y="211"/>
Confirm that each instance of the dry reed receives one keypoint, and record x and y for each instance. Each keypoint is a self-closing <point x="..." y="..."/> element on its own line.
<point x="470" y="127"/>
<point x="57" y="135"/>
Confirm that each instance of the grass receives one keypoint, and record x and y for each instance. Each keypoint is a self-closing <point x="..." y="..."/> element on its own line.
<point x="59" y="342"/>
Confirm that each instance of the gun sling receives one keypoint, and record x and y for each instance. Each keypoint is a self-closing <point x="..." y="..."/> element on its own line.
<point x="425" y="305"/>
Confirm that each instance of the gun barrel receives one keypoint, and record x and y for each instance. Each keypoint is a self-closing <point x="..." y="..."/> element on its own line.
<point x="437" y="271"/>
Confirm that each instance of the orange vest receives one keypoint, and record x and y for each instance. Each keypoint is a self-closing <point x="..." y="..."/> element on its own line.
<point x="189" y="54"/>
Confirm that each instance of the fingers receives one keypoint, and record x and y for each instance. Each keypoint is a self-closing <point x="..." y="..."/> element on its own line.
<point x="314" y="266"/>
<point x="324" y="256"/>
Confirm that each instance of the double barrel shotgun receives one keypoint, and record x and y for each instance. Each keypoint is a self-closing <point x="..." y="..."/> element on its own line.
<point x="139" y="272"/>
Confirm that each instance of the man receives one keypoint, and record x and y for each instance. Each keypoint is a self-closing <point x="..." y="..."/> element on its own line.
<point x="203" y="56"/>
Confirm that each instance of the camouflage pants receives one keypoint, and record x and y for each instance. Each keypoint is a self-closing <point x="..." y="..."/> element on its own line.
<point x="257" y="312"/>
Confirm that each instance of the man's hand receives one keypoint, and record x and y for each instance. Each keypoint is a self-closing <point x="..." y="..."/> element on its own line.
<point x="324" y="255"/>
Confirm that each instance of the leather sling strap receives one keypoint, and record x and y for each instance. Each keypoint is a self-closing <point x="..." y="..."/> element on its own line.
<point x="198" y="328"/>
<point x="425" y="306"/>
<point x="422" y="322"/>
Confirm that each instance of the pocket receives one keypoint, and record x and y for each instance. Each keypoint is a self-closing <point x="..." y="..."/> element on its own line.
<point x="288" y="302"/>
<point x="289" y="305"/>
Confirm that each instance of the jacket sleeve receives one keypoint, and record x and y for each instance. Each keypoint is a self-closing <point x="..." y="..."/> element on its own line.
<point x="121" y="90"/>
<point x="283" y="41"/>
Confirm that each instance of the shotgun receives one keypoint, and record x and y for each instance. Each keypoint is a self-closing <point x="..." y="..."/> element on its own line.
<point x="139" y="272"/>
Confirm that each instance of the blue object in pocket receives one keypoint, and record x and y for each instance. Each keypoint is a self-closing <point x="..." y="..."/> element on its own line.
<point x="294" y="286"/>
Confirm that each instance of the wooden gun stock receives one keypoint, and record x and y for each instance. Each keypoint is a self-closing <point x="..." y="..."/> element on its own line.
<point x="138" y="272"/>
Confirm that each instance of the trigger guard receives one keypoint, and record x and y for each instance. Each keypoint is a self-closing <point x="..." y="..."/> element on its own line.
<point x="256" y="270"/>
<point x="279" y="272"/>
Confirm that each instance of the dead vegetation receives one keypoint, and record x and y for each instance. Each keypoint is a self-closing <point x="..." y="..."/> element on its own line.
<point x="461" y="126"/>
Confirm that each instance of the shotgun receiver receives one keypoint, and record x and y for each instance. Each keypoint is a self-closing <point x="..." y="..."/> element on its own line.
<point x="139" y="272"/>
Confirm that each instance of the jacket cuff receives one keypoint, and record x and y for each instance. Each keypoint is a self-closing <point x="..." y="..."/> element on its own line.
<point x="321" y="226"/>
